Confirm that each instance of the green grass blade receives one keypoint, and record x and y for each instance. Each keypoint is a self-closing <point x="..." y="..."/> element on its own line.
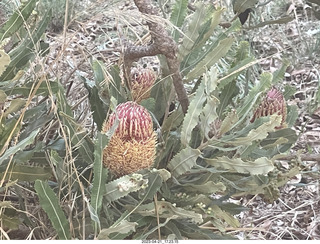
<point x="49" y="202"/>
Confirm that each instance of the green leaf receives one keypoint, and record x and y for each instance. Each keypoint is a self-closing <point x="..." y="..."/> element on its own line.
<point x="27" y="173"/>
<point x="15" y="106"/>
<point x="211" y="58"/>
<point x="282" y="20"/>
<point x="167" y="210"/>
<point x="124" y="227"/>
<point x="155" y="180"/>
<point x="228" y="218"/>
<point x="99" y="173"/>
<point x="178" y="15"/>
<point x="17" y="19"/>
<point x="261" y="165"/>
<point x="191" y="119"/>
<point x="292" y="115"/>
<point x="279" y="74"/>
<point x="183" y="161"/>
<point x="4" y="61"/>
<point x="228" y="122"/>
<point x="240" y="6"/>
<point x="20" y="146"/>
<point x="251" y="99"/>
<point x="44" y="89"/>
<point x="192" y="33"/>
<point x="12" y="223"/>
<point x="79" y="137"/>
<point x="97" y="106"/>
<point x="226" y="96"/>
<point x="260" y="133"/>
<point x="213" y="23"/>
<point x="49" y="202"/>
<point x="208" y="187"/>
<point x="21" y="55"/>
<point x="123" y="186"/>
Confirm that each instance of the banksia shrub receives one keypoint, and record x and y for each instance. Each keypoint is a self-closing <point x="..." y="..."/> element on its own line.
<point x="142" y="81"/>
<point x="133" y="145"/>
<point x="273" y="103"/>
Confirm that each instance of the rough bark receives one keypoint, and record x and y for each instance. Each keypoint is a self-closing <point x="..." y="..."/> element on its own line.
<point x="163" y="44"/>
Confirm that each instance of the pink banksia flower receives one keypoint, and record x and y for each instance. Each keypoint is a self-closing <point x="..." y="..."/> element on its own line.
<point x="273" y="103"/>
<point x="133" y="144"/>
<point x="142" y="80"/>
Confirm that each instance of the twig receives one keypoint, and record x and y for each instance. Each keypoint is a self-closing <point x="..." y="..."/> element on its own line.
<point x="162" y="44"/>
<point x="304" y="157"/>
<point x="157" y="213"/>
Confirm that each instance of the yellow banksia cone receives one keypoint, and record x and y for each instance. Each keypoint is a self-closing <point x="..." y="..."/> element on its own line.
<point x="273" y="103"/>
<point x="133" y="145"/>
<point x="142" y="80"/>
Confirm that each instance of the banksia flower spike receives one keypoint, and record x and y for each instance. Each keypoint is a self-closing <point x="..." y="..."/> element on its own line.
<point x="133" y="145"/>
<point x="273" y="103"/>
<point x="142" y="80"/>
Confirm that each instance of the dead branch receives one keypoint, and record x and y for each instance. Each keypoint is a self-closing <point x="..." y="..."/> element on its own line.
<point x="163" y="44"/>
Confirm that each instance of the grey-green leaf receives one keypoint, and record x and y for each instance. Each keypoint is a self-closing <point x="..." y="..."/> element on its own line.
<point x="261" y="165"/>
<point x="183" y="161"/>
<point x="123" y="186"/>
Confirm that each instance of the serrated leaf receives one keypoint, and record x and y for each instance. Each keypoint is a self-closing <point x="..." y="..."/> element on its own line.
<point x="228" y="122"/>
<point x="228" y="218"/>
<point x="192" y="33"/>
<point x="208" y="115"/>
<point x="227" y="94"/>
<point x="27" y="173"/>
<point x="173" y="121"/>
<point x="99" y="173"/>
<point x="292" y="115"/>
<point x="191" y="119"/>
<point x="4" y="61"/>
<point x="15" y="106"/>
<point x="167" y="210"/>
<point x="178" y="15"/>
<point x="260" y="133"/>
<point x="183" y="161"/>
<point x="261" y="165"/>
<point x="123" y="186"/>
<point x="155" y="180"/>
<point x="211" y="58"/>
<point x="251" y="99"/>
<point x="208" y="187"/>
<point x="49" y="202"/>
<point x="124" y="227"/>
<point x="97" y="106"/>
<point x="279" y="73"/>
<point x="20" y="146"/>
<point x="21" y="55"/>
<point x="17" y="19"/>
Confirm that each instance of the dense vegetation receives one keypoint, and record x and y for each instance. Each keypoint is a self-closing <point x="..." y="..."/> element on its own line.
<point x="153" y="126"/>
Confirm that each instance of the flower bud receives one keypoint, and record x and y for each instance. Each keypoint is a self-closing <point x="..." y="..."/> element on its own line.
<point x="142" y="80"/>
<point x="273" y="103"/>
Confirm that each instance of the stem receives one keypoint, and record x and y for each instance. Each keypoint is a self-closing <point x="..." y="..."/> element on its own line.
<point x="162" y="44"/>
